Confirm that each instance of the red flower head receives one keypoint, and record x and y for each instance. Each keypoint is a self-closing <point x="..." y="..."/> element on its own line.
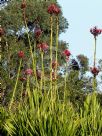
<point x="28" y="71"/>
<point x="42" y="46"/>
<point x="54" y="64"/>
<point x="23" y="5"/>
<point x="53" y="9"/>
<point x="95" y="71"/>
<point x="38" y="32"/>
<point x="1" y="31"/>
<point x="21" y="54"/>
<point x="66" y="53"/>
<point x="95" y="31"/>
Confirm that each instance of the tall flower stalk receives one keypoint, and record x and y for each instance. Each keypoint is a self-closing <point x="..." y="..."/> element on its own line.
<point x="14" y="91"/>
<point x="57" y="32"/>
<point x="42" y="73"/>
<point x="95" y="32"/>
<point x="22" y="86"/>
<point x="43" y="48"/>
<point x="95" y="51"/>
<point x="65" y="87"/>
<point x="94" y="78"/>
<point x="67" y="54"/>
<point x="21" y="56"/>
<point x="23" y="7"/>
<point x="34" y="64"/>
<point x="56" y="57"/>
<point x="53" y="9"/>
<point x="51" y="42"/>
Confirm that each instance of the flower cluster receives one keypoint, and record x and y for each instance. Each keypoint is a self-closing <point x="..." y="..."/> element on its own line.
<point x="42" y="46"/>
<point x="53" y="9"/>
<point x="95" y="71"/>
<point x="38" y="32"/>
<point x="66" y="53"/>
<point x="95" y="31"/>
<point x="21" y="54"/>
<point x="28" y="71"/>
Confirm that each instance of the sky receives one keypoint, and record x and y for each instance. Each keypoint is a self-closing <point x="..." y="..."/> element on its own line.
<point x="82" y="15"/>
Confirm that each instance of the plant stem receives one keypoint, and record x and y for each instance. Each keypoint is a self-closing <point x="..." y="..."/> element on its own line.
<point x="14" y="91"/>
<point x="42" y="73"/>
<point x="65" y="79"/>
<point x="95" y="52"/>
<point x="21" y="92"/>
<point x="31" y="52"/>
<point x="57" y="31"/>
<point x="56" y="62"/>
<point x="34" y="65"/>
<point x="51" y="42"/>
<point x="94" y="78"/>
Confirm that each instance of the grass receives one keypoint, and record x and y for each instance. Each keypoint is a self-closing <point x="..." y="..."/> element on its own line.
<point x="36" y="116"/>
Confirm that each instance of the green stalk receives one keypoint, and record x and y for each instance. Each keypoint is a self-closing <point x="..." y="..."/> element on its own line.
<point x="27" y="87"/>
<point x="32" y="56"/>
<point x="51" y="42"/>
<point x="57" y="32"/>
<point x="95" y="52"/>
<point x="94" y="78"/>
<point x="35" y="64"/>
<point x="21" y="93"/>
<point x="64" y="101"/>
<point x="20" y="102"/>
<point x="65" y="83"/>
<point x="28" y="92"/>
<point x="14" y="91"/>
<point x="42" y="73"/>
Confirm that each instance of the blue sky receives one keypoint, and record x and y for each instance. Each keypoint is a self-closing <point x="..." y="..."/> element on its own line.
<point x="82" y="15"/>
